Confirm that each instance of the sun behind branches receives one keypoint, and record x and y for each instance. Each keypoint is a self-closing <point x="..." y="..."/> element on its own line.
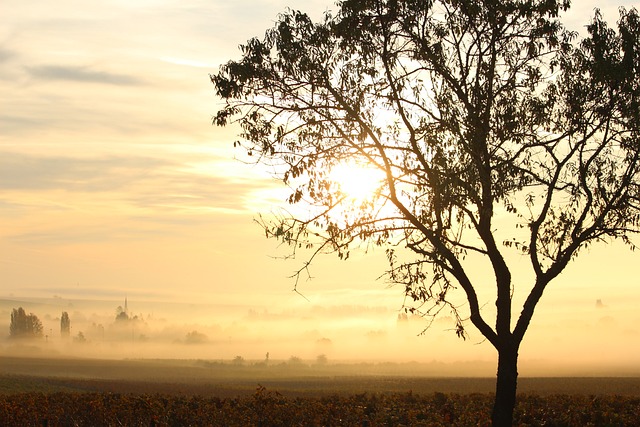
<point x="356" y="182"/>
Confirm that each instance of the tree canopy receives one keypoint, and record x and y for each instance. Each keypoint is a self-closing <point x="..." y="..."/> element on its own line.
<point x="471" y="111"/>
<point x="24" y="325"/>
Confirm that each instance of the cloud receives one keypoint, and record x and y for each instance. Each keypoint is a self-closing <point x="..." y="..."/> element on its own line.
<point x="24" y="172"/>
<point x="62" y="235"/>
<point x="114" y="198"/>
<point x="148" y="181"/>
<point x="82" y="75"/>
<point x="189" y="62"/>
<point x="11" y="124"/>
<point x="6" y="55"/>
<point x="112" y="293"/>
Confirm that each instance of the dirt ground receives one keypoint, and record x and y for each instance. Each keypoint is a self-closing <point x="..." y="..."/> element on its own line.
<point x="223" y="379"/>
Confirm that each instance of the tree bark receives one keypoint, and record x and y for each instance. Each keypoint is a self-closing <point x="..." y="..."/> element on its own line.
<point x="507" y="381"/>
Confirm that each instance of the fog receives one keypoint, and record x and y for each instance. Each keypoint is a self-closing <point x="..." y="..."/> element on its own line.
<point x="583" y="341"/>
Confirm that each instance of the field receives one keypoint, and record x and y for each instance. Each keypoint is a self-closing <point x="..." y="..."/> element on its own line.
<point x="175" y="393"/>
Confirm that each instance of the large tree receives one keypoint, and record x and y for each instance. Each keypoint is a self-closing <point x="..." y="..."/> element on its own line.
<point x="24" y="325"/>
<point x="494" y="130"/>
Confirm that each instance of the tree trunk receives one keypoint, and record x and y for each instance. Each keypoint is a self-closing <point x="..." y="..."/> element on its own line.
<point x="506" y="384"/>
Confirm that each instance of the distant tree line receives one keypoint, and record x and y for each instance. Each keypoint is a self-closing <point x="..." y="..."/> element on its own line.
<point x="25" y="325"/>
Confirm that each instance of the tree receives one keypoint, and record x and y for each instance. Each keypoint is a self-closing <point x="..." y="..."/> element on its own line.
<point x="195" y="337"/>
<point x="121" y="314"/>
<point x="494" y="129"/>
<point x="65" y="325"/>
<point x="24" y="325"/>
<point x="80" y="338"/>
<point x="322" y="360"/>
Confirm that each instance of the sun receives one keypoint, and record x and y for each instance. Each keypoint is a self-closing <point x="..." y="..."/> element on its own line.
<point x="356" y="182"/>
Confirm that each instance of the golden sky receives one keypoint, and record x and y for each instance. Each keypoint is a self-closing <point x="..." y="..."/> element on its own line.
<point x="114" y="182"/>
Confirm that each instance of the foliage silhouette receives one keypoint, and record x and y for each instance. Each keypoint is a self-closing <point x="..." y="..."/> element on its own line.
<point x="65" y="325"/>
<point x="24" y="325"/>
<point x="494" y="128"/>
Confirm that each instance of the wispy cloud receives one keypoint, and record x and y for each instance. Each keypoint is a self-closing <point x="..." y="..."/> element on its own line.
<point x="82" y="74"/>
<point x="189" y="62"/>
<point x="25" y="172"/>
<point x="148" y="182"/>
<point x="96" y="233"/>
<point x="6" y="55"/>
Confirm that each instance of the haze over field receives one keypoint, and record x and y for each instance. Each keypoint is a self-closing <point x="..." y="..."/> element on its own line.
<point x="335" y="333"/>
<point x="114" y="184"/>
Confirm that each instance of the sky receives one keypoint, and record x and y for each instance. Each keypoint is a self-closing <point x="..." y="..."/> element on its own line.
<point x="114" y="182"/>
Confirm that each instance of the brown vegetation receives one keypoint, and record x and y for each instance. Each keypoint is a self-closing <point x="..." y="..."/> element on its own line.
<point x="268" y="408"/>
<point x="37" y="391"/>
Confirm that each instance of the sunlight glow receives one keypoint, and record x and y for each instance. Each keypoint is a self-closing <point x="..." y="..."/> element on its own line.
<point x="357" y="182"/>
